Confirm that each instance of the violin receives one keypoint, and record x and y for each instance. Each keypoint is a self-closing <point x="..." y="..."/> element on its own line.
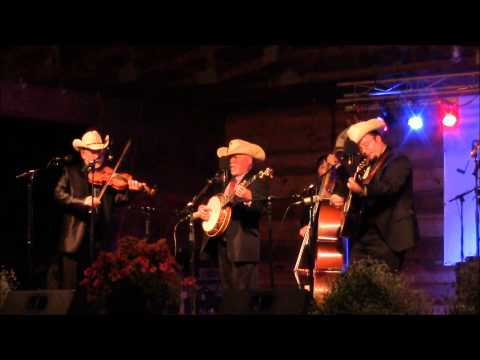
<point x="119" y="181"/>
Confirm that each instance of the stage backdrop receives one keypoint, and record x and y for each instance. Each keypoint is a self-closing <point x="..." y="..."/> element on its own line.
<point x="457" y="144"/>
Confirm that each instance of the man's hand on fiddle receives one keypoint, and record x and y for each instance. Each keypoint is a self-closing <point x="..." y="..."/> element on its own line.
<point x="135" y="185"/>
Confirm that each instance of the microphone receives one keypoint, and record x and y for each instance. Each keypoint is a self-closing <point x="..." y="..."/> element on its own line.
<point x="59" y="160"/>
<point x="308" y="188"/>
<point x="465" y="169"/>
<point x="65" y="158"/>
<point x="108" y="153"/>
<point x="474" y="151"/>
<point x="308" y="200"/>
<point x="220" y="176"/>
<point x="92" y="165"/>
<point x="25" y="174"/>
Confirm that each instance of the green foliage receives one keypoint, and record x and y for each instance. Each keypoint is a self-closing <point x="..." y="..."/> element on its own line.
<point x="467" y="288"/>
<point x="370" y="288"/>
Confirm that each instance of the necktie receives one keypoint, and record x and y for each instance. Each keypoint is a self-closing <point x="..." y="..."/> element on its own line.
<point x="231" y="188"/>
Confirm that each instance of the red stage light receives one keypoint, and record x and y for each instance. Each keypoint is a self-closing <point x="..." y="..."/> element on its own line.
<point x="449" y="120"/>
<point x="449" y="113"/>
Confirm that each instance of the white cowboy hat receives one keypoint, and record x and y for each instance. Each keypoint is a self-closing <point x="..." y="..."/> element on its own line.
<point x="357" y="131"/>
<point x="91" y="140"/>
<point x="238" y="146"/>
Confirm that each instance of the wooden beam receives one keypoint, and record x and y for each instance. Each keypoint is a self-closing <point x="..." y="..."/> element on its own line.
<point x="269" y="57"/>
<point x="338" y="75"/>
<point x="185" y="59"/>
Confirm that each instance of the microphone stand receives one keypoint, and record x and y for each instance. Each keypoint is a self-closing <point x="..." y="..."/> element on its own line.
<point x="270" y="240"/>
<point x="147" y="211"/>
<point x="92" y="217"/>
<point x="461" y="198"/>
<point x="30" y="176"/>
<point x="310" y="245"/>
<point x="189" y="209"/>
<point x="477" y="201"/>
<point x="269" y="199"/>
<point x="311" y="251"/>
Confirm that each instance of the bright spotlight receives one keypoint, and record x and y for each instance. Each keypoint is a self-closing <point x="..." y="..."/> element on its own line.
<point x="415" y="122"/>
<point x="449" y="120"/>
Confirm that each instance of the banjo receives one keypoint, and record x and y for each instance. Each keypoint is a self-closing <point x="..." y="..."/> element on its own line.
<point x="221" y="211"/>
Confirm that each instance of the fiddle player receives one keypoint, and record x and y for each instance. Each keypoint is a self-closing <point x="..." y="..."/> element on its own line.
<point x="238" y="249"/>
<point x="388" y="226"/>
<point x="73" y="193"/>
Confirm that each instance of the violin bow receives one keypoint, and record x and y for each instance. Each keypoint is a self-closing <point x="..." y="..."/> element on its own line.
<point x="125" y="149"/>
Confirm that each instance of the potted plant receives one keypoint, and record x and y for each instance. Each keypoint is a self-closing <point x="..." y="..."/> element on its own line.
<point x="370" y="288"/>
<point x="136" y="277"/>
<point x="467" y="288"/>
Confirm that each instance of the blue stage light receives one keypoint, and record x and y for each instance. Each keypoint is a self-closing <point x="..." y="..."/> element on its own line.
<point x="415" y="122"/>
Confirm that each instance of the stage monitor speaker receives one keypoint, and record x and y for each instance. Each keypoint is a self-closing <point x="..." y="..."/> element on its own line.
<point x="38" y="302"/>
<point x="264" y="301"/>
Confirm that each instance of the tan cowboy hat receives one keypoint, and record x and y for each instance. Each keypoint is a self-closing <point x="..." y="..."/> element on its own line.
<point x="340" y="141"/>
<point x="91" y="140"/>
<point x="238" y="146"/>
<point x="357" y="131"/>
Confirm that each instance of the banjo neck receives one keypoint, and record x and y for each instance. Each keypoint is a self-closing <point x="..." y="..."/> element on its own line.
<point x="245" y="183"/>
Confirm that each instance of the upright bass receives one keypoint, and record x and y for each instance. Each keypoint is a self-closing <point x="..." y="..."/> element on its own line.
<point x="329" y="247"/>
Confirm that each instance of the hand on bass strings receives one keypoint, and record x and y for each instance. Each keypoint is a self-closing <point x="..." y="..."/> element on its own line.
<point x="303" y="230"/>
<point x="337" y="201"/>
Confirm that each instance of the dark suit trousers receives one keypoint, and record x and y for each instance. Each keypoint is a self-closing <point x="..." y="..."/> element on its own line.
<point x="235" y="275"/>
<point x="371" y="244"/>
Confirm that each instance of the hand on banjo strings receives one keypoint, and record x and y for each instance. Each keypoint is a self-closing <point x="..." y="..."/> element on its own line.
<point x="204" y="212"/>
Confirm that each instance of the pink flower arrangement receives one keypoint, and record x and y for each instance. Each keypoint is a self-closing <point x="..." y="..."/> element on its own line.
<point x="137" y="263"/>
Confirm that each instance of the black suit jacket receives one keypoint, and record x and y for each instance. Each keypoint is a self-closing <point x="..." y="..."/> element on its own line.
<point x="71" y="190"/>
<point x="242" y="237"/>
<point x="389" y="203"/>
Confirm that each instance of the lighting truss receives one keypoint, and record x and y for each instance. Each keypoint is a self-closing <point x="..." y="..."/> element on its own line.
<point x="432" y="86"/>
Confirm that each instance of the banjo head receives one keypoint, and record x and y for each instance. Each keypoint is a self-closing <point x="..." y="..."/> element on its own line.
<point x="215" y="204"/>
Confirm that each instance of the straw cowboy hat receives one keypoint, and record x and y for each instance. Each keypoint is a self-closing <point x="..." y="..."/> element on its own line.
<point x="357" y="131"/>
<point x="238" y="146"/>
<point x="340" y="141"/>
<point x="91" y="140"/>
